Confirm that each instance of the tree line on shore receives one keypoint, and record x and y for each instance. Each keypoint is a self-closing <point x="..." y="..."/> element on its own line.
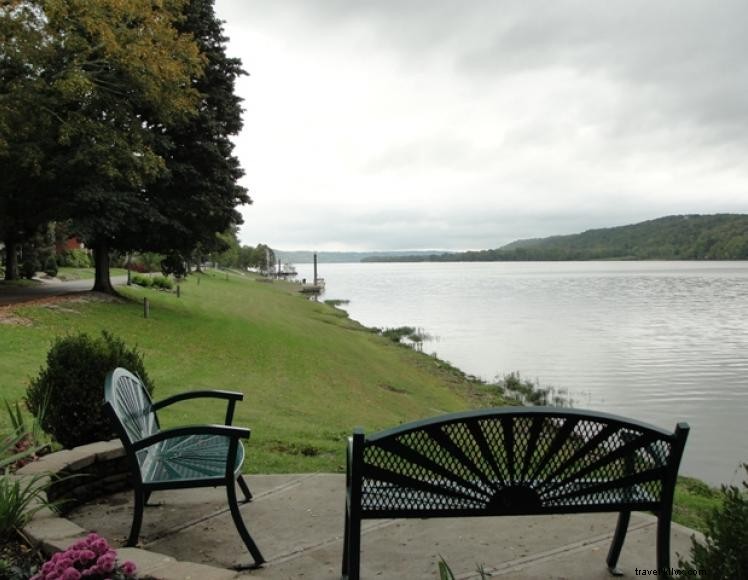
<point x="681" y="237"/>
<point x="115" y="124"/>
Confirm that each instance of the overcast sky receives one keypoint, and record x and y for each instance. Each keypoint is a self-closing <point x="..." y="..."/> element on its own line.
<point x="414" y="124"/>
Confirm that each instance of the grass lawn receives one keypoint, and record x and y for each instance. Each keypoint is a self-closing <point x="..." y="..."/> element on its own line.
<point x="308" y="372"/>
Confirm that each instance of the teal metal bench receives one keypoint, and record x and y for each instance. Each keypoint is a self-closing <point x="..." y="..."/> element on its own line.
<point x="513" y="461"/>
<point x="180" y="458"/>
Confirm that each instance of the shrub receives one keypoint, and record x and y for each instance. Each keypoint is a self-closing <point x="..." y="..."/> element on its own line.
<point x="29" y="266"/>
<point x="135" y="267"/>
<point x="91" y="558"/>
<point x="725" y="554"/>
<point x="70" y="390"/>
<point x="163" y="282"/>
<point x="174" y="264"/>
<point x="150" y="261"/>
<point x="144" y="281"/>
<point x="75" y="259"/>
<point x="50" y="266"/>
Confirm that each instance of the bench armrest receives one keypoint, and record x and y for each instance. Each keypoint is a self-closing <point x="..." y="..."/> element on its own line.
<point x="230" y="396"/>
<point x="235" y="432"/>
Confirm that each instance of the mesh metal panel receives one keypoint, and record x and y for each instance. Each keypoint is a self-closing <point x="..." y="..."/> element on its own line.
<point x="514" y="463"/>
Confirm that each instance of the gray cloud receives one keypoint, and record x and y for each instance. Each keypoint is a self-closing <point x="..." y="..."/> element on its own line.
<point x="466" y="125"/>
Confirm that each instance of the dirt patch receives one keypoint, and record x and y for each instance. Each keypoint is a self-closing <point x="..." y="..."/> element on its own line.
<point x="392" y="389"/>
<point x="8" y="314"/>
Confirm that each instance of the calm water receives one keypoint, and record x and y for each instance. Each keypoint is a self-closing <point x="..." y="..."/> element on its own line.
<point x="659" y="341"/>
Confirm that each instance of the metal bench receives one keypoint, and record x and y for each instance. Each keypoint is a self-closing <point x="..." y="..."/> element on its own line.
<point x="184" y="457"/>
<point x="513" y="461"/>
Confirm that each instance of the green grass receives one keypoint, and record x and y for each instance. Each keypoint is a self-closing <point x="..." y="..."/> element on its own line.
<point x="694" y="499"/>
<point x="308" y="372"/>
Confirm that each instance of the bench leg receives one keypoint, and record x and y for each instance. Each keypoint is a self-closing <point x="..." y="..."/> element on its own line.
<point x="241" y="528"/>
<point x="352" y="547"/>
<point x="245" y="488"/>
<point x="663" y="539"/>
<point x="344" y="571"/>
<point x="617" y="544"/>
<point x="137" y="516"/>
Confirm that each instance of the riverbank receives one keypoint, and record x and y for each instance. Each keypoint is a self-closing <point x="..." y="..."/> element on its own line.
<point x="309" y="372"/>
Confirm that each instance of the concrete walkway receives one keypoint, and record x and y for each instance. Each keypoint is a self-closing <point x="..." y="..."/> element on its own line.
<point x="297" y="520"/>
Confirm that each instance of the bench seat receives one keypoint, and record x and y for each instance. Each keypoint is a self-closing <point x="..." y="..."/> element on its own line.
<point x="188" y="457"/>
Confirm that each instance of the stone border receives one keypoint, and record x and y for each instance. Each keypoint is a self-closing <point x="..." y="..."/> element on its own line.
<point x="99" y="469"/>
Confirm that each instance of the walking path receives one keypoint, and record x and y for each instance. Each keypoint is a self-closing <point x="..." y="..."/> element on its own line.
<point x="48" y="288"/>
<point x="297" y="520"/>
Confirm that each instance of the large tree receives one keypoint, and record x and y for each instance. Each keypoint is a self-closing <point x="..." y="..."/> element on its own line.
<point x="115" y="75"/>
<point x="199" y="192"/>
<point x="142" y="105"/>
<point x="127" y="77"/>
<point x="27" y="128"/>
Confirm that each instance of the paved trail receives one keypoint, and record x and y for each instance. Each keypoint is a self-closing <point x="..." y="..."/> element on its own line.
<point x="14" y="295"/>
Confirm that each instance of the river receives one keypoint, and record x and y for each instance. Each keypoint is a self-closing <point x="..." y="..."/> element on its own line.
<point x="658" y="341"/>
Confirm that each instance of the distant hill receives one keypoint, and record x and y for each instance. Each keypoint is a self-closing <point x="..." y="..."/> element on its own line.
<point x="679" y="237"/>
<point x="306" y="256"/>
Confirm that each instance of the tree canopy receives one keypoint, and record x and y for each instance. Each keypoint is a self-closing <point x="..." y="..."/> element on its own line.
<point x="133" y="145"/>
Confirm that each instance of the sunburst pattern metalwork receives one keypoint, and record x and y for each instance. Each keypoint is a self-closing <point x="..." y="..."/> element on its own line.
<point x="188" y="457"/>
<point x="132" y="406"/>
<point x="513" y="464"/>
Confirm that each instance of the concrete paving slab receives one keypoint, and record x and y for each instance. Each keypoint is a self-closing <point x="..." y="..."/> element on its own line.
<point x="297" y="521"/>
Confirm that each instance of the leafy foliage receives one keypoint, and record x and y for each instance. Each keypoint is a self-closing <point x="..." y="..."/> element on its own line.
<point x="75" y="259"/>
<point x="163" y="282"/>
<point x="725" y="554"/>
<point x="144" y="281"/>
<point x="106" y="79"/>
<point x="20" y="499"/>
<point x="445" y="572"/>
<point x="22" y="443"/>
<point x="70" y="388"/>
<point x="527" y="392"/>
<point x="174" y="264"/>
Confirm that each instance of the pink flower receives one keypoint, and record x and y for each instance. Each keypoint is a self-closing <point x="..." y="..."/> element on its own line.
<point x="71" y="574"/>
<point x="99" y="546"/>
<point x="86" y="556"/>
<point x="128" y="568"/>
<point x="106" y="562"/>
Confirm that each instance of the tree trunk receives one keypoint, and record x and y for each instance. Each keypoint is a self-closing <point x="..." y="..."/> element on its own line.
<point x="11" y="260"/>
<point x="102" y="282"/>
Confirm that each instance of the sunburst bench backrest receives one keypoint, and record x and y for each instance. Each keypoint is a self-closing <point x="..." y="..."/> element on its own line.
<point x="513" y="461"/>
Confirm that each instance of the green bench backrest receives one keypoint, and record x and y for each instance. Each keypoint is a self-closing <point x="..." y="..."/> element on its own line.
<point x="129" y="401"/>
<point x="518" y="461"/>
